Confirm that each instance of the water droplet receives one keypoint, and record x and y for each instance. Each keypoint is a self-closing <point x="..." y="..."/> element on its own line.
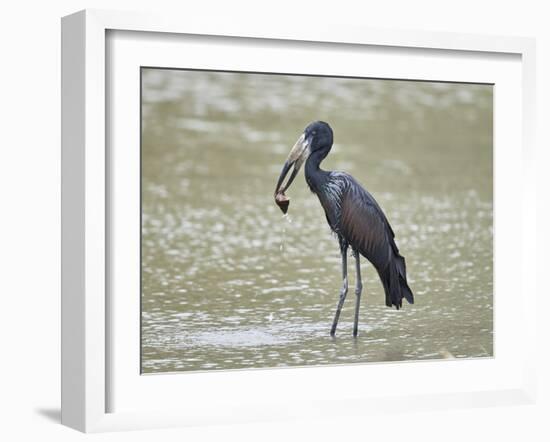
<point x="287" y="218"/>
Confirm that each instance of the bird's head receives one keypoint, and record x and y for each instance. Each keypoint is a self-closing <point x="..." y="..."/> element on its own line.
<point x="319" y="136"/>
<point x="316" y="138"/>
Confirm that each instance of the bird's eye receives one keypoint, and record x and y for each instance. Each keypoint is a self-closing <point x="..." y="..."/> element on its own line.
<point x="314" y="132"/>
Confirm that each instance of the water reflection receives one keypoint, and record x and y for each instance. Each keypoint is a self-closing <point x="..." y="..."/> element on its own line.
<point x="228" y="283"/>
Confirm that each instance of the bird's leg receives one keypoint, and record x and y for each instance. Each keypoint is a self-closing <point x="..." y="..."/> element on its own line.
<point x="343" y="291"/>
<point x="358" y="289"/>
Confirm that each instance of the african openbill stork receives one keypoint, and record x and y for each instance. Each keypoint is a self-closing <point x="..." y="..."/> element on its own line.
<point x="352" y="214"/>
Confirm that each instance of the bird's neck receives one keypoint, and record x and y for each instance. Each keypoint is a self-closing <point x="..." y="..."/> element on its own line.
<point x="315" y="176"/>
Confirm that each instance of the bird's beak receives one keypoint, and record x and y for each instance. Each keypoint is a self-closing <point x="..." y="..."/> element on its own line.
<point x="299" y="153"/>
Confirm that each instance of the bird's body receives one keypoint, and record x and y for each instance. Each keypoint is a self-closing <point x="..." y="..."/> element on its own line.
<point x="354" y="216"/>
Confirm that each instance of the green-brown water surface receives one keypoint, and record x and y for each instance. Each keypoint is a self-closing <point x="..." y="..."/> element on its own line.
<point x="227" y="282"/>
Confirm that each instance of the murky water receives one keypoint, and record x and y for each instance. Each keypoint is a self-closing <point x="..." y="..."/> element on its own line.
<point x="227" y="282"/>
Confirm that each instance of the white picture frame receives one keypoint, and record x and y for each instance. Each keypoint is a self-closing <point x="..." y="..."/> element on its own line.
<point x="86" y="315"/>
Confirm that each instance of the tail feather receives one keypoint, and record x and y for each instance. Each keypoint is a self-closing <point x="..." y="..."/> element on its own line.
<point x="394" y="280"/>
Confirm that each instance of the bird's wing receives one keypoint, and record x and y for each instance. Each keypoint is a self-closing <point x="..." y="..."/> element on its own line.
<point x="365" y="226"/>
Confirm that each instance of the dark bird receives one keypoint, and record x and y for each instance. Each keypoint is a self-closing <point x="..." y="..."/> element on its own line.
<point x="352" y="214"/>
